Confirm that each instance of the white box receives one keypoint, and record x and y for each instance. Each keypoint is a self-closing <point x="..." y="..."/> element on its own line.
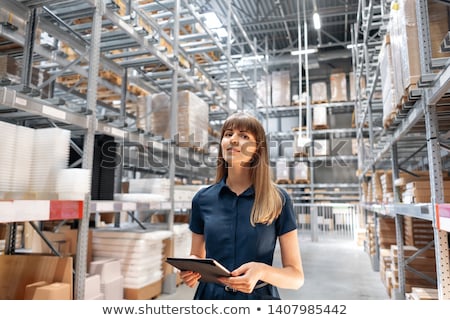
<point x="301" y="171"/>
<point x="320" y="117"/>
<point x="282" y="170"/>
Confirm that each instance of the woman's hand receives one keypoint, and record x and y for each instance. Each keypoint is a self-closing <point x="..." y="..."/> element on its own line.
<point x="245" y="277"/>
<point x="190" y="278"/>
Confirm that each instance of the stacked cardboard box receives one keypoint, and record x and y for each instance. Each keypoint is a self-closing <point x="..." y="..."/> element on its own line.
<point x="11" y="72"/>
<point x="425" y="263"/>
<point x="386" y="232"/>
<point x="19" y="271"/>
<point x="420" y="192"/>
<point x="387" y="187"/>
<point x="403" y="28"/>
<point x="385" y="269"/>
<point x="418" y="293"/>
<point x="417" y="232"/>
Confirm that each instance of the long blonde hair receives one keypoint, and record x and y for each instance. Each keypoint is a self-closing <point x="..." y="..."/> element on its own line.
<point x="268" y="199"/>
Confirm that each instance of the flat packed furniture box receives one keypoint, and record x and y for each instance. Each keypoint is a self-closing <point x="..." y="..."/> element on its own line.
<point x="18" y="271"/>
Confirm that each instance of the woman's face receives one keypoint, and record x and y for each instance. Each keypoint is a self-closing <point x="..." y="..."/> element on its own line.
<point x="238" y="147"/>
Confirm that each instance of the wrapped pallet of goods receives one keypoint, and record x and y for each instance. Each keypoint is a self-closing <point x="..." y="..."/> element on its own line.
<point x="192" y="127"/>
<point x="263" y="92"/>
<point x="319" y="92"/>
<point x="320" y="120"/>
<point x="387" y="83"/>
<point x="338" y="87"/>
<point x="301" y="143"/>
<point x="281" y="88"/>
<point x="282" y="171"/>
<point x="301" y="173"/>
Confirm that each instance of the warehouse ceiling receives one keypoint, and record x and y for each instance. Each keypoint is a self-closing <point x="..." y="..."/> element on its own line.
<point x="273" y="25"/>
<point x="137" y="38"/>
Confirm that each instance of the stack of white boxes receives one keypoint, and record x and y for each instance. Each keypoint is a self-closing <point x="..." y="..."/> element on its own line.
<point x="301" y="172"/>
<point x="282" y="171"/>
<point x="111" y="279"/>
<point x="139" y="253"/>
<point x="92" y="288"/>
<point x="320" y="117"/>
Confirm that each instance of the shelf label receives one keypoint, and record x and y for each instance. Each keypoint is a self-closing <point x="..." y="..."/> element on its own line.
<point x="443" y="217"/>
<point x="117" y="132"/>
<point x="20" y="101"/>
<point x="52" y="112"/>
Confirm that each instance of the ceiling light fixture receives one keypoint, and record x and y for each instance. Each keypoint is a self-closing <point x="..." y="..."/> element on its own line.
<point x="307" y="51"/>
<point x="316" y="20"/>
<point x="212" y="21"/>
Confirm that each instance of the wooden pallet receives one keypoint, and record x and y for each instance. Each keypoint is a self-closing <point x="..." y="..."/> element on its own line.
<point x="283" y="181"/>
<point x="300" y="154"/>
<point x="301" y="181"/>
<point x="319" y="101"/>
<point x="148" y="292"/>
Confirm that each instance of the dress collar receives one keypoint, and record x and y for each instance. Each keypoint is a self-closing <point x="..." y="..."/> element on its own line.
<point x="223" y="186"/>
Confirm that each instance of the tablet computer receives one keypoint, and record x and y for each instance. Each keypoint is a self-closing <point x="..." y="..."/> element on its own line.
<point x="209" y="269"/>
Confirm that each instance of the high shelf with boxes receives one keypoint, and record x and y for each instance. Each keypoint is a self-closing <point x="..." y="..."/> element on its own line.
<point x="404" y="170"/>
<point x="332" y="147"/>
<point x="104" y="62"/>
<point x="316" y="163"/>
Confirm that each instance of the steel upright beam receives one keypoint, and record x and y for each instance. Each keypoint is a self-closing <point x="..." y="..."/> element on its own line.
<point x="437" y="196"/>
<point x="88" y="154"/>
<point x="400" y="291"/>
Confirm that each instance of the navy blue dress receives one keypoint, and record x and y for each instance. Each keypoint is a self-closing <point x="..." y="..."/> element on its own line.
<point x="223" y="218"/>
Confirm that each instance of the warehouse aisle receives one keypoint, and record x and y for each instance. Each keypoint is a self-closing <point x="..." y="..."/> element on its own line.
<point x="334" y="270"/>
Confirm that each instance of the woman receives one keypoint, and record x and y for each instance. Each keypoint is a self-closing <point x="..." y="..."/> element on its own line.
<point x="238" y="220"/>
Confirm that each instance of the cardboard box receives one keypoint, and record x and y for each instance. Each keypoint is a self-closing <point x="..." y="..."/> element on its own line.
<point x="18" y="271"/>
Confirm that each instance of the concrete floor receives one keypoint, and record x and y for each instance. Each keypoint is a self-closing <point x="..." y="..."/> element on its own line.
<point x="334" y="270"/>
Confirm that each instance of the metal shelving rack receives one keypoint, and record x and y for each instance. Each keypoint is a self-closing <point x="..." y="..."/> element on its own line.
<point x="95" y="39"/>
<point x="423" y="118"/>
<point x="328" y="193"/>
